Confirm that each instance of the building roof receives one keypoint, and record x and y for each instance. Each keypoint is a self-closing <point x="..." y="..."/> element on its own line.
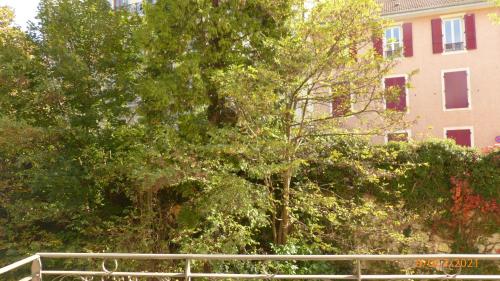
<point x="390" y="7"/>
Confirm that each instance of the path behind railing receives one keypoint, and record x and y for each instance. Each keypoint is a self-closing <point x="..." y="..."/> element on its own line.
<point x="113" y="274"/>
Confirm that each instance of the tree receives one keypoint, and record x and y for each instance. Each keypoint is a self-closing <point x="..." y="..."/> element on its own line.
<point x="185" y="43"/>
<point x="495" y="17"/>
<point x="66" y="86"/>
<point x="317" y="64"/>
<point x="265" y="63"/>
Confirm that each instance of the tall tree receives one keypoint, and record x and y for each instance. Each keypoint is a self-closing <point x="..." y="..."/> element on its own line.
<point x="185" y="43"/>
<point x="288" y="101"/>
<point x="265" y="64"/>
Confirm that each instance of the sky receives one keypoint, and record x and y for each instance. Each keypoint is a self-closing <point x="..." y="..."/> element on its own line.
<point x="25" y="10"/>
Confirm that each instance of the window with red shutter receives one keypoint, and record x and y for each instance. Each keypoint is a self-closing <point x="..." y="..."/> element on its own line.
<point x="397" y="86"/>
<point x="398" y="40"/>
<point x="461" y="136"/>
<point x="456" y="90"/>
<point x="437" y="36"/>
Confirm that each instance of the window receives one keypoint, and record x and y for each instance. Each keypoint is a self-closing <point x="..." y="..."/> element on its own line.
<point x="393" y="41"/>
<point x="462" y="136"/>
<point x="396" y="97"/>
<point x="399" y="136"/>
<point x="453" y="34"/>
<point x="456" y="89"/>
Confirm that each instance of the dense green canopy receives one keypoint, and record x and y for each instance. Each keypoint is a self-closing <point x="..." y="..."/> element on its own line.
<point x="187" y="129"/>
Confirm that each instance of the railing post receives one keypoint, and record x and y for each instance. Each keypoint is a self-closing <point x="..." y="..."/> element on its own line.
<point x="358" y="266"/>
<point x="36" y="270"/>
<point x="187" y="271"/>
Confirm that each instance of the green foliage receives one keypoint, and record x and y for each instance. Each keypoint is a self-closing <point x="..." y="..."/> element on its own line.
<point x="186" y="42"/>
<point x="429" y="183"/>
<point x="484" y="175"/>
<point x="426" y="182"/>
<point x="180" y="132"/>
<point x="494" y="16"/>
<point x="68" y="82"/>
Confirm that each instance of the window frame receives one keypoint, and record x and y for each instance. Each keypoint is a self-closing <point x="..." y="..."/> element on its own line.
<point x="443" y="89"/>
<point x="470" y="128"/>
<point x="447" y="18"/>
<point x="407" y="92"/>
<point x="401" y="41"/>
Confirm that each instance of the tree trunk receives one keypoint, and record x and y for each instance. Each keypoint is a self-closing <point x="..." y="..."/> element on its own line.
<point x="284" y="225"/>
<point x="218" y="113"/>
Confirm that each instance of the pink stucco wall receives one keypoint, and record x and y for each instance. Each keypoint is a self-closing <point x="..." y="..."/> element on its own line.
<point x="426" y="96"/>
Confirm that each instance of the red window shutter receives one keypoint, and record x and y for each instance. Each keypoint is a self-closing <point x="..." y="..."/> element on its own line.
<point x="456" y="90"/>
<point x="399" y="103"/>
<point x="378" y="45"/>
<point x="341" y="105"/>
<point x="461" y="137"/>
<point x="470" y="31"/>
<point x="437" y="36"/>
<point x="407" y="39"/>
<point x="353" y="46"/>
<point x="353" y="51"/>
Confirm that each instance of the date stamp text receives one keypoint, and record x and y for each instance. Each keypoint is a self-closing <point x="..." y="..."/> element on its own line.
<point x="448" y="263"/>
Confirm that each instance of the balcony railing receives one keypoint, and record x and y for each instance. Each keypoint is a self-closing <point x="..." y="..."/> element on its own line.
<point x="393" y="51"/>
<point x="458" y="46"/>
<point x="110" y="267"/>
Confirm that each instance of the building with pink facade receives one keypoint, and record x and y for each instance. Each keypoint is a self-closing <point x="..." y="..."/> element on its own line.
<point x="455" y="47"/>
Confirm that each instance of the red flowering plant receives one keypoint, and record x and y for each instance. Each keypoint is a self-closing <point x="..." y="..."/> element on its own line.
<point x="466" y="203"/>
<point x="470" y="213"/>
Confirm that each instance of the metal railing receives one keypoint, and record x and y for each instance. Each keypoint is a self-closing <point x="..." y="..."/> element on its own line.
<point x="187" y="274"/>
